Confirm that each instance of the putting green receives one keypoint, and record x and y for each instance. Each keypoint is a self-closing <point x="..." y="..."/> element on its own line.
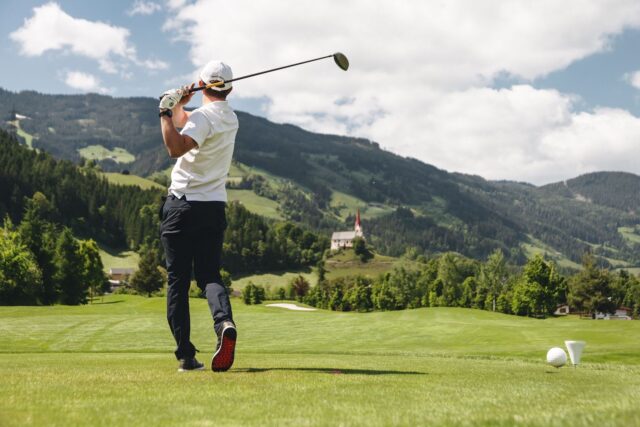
<point x="111" y="364"/>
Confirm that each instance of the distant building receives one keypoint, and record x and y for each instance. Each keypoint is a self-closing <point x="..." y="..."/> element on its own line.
<point x="562" y="310"/>
<point x="120" y="273"/>
<point x="621" y="313"/>
<point x="344" y="239"/>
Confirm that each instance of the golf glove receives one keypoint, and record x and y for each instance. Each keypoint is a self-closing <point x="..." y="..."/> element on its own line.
<point x="170" y="98"/>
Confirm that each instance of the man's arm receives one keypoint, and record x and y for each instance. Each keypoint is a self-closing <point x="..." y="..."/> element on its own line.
<point x="180" y="116"/>
<point x="177" y="145"/>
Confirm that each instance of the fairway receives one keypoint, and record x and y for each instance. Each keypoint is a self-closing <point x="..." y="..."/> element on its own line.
<point x="112" y="364"/>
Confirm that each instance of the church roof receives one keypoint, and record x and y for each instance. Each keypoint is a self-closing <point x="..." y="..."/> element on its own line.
<point x="343" y="235"/>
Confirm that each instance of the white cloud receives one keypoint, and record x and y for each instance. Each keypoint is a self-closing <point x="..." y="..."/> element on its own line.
<point x="141" y="7"/>
<point x="84" y="82"/>
<point x="176" y="4"/>
<point x="153" y="64"/>
<point x="52" y="29"/>
<point x="519" y="133"/>
<point x="633" y="79"/>
<point x="421" y="73"/>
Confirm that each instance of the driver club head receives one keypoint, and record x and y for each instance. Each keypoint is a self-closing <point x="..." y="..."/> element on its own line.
<point x="341" y="61"/>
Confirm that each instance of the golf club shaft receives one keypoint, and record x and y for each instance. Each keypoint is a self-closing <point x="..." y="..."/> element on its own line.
<point x="221" y="83"/>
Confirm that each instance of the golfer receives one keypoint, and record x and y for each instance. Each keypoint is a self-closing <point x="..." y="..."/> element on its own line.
<point x="193" y="213"/>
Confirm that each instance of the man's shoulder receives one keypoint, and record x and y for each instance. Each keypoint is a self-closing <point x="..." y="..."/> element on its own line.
<point x="216" y="106"/>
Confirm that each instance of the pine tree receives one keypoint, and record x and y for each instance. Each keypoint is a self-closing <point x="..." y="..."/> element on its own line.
<point x="148" y="278"/>
<point x="301" y="287"/>
<point x="39" y="236"/>
<point x="590" y="290"/>
<point x="69" y="275"/>
<point x="20" y="278"/>
<point x="94" y="276"/>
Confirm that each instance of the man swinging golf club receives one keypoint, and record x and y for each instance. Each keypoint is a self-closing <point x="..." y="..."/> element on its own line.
<point x="193" y="213"/>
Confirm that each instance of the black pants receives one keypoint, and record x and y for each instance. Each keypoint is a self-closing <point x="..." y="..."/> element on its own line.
<point x="192" y="234"/>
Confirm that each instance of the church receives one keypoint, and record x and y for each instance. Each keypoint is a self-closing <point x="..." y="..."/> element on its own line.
<point x="344" y="239"/>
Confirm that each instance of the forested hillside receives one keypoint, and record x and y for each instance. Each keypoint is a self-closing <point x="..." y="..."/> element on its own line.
<point x="597" y="188"/>
<point x="127" y="216"/>
<point x="319" y="180"/>
<point x="79" y="197"/>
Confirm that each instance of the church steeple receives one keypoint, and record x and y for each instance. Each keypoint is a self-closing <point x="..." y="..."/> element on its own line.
<point x="358" y="226"/>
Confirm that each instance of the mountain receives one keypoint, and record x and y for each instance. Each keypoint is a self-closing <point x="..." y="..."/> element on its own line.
<point x="596" y="188"/>
<point x="319" y="180"/>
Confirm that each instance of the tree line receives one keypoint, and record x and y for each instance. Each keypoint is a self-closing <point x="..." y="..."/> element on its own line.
<point x="452" y="280"/>
<point x="80" y="198"/>
<point x="44" y="263"/>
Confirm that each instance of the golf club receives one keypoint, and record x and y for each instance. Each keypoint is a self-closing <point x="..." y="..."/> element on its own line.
<point x="339" y="58"/>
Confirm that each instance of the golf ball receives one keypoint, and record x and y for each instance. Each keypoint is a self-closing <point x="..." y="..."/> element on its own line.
<point x="556" y="357"/>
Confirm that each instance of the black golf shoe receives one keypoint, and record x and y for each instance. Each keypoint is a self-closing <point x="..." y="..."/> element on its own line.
<point x="225" y="350"/>
<point x="190" y="364"/>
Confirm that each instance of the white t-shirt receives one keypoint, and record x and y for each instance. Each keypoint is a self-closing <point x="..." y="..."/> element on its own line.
<point x="201" y="173"/>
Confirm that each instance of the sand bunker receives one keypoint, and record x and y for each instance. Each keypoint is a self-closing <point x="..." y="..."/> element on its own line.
<point x="291" y="307"/>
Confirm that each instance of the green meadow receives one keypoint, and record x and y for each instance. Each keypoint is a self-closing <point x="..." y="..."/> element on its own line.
<point x="98" y="152"/>
<point x="273" y="280"/>
<point x="111" y="363"/>
<point x="28" y="138"/>
<point x="116" y="258"/>
<point x="121" y="179"/>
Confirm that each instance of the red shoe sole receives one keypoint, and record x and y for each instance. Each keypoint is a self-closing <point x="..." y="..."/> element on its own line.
<point x="223" y="358"/>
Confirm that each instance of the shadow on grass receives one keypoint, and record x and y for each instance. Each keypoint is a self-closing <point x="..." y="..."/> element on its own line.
<point x="94" y="302"/>
<point x="333" y="371"/>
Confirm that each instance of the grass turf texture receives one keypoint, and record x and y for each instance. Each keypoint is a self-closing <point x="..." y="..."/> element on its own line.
<point x="111" y="364"/>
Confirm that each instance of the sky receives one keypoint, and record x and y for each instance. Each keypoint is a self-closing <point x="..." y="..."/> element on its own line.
<point x="517" y="90"/>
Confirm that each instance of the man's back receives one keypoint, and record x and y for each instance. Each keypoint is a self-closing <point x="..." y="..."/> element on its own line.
<point x="193" y="214"/>
<point x="201" y="173"/>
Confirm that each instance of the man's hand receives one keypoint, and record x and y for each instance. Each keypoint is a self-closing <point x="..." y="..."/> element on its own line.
<point x="170" y="99"/>
<point x="186" y="94"/>
<point x="176" y="97"/>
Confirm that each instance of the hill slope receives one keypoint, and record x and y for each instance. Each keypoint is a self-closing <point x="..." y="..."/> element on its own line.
<point x="597" y="188"/>
<point x="317" y="179"/>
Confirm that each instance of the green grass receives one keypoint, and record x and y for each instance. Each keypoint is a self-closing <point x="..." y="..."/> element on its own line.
<point x="254" y="203"/>
<point x="120" y="179"/>
<point x="28" y="138"/>
<point x="114" y="258"/>
<point x="535" y="247"/>
<point x="273" y="280"/>
<point x="629" y="234"/>
<point x="346" y="263"/>
<point x="112" y="364"/>
<point x="98" y="152"/>
<point x="348" y="204"/>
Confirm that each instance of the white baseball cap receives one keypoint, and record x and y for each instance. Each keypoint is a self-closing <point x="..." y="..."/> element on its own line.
<point x="216" y="71"/>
